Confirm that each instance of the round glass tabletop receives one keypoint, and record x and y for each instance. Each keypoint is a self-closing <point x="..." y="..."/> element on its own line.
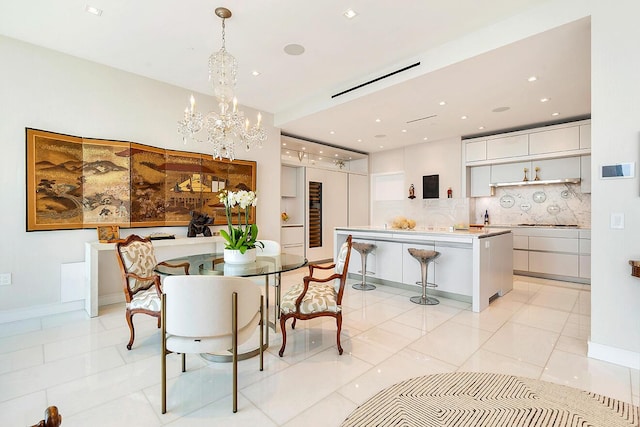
<point x="213" y="263"/>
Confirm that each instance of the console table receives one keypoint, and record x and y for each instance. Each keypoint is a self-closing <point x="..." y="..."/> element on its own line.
<point x="102" y="280"/>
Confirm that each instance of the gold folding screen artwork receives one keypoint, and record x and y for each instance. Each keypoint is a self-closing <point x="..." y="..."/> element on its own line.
<point x="75" y="182"/>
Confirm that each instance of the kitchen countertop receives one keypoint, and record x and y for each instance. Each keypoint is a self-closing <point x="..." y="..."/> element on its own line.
<point x="563" y="227"/>
<point x="473" y="233"/>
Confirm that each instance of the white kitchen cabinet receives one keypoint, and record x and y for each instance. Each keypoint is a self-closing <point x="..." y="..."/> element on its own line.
<point x="553" y="244"/>
<point x="510" y="146"/>
<point x="565" y="167"/>
<point x="292" y="239"/>
<point x="554" y="263"/>
<point x="510" y="172"/>
<point x="476" y="151"/>
<point x="520" y="260"/>
<point x="520" y="242"/>
<point x="288" y="182"/>
<point x="585" y="174"/>
<point x="556" y="140"/>
<point x="453" y="268"/>
<point x="585" y="254"/>
<point x="585" y="136"/>
<point x="480" y="181"/>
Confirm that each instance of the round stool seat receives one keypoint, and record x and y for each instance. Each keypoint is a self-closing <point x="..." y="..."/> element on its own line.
<point x="363" y="249"/>
<point x="424" y="257"/>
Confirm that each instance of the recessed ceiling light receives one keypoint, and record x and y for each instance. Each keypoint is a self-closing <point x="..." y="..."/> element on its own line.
<point x="294" y="49"/>
<point x="359" y="140"/>
<point x="321" y="152"/>
<point x="350" y="158"/>
<point x="93" y="10"/>
<point x="425" y="138"/>
<point x="544" y="99"/>
<point x="404" y="131"/>
<point x="382" y="146"/>
<point x="378" y="120"/>
<point x="443" y="103"/>
<point x="555" y="114"/>
<point x="532" y="79"/>
<point x="319" y="158"/>
<point x="284" y="144"/>
<point x="332" y="132"/>
<point x="304" y="148"/>
<point x="481" y="127"/>
<point x="287" y="152"/>
<point x="350" y="13"/>
<point x="255" y="73"/>
<point x="335" y="155"/>
<point x="464" y="117"/>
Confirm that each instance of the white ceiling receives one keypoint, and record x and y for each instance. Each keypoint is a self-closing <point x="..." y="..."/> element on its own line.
<point x="170" y="41"/>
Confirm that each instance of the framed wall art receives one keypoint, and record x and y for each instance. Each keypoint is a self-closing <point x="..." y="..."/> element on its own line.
<point x="75" y="182"/>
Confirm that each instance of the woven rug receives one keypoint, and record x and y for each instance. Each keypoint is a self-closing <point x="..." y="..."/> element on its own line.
<point x="484" y="399"/>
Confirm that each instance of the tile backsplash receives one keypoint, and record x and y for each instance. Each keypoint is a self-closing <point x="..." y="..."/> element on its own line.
<point x="535" y="204"/>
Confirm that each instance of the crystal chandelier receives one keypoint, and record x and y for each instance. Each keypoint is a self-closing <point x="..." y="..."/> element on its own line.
<point x="227" y="126"/>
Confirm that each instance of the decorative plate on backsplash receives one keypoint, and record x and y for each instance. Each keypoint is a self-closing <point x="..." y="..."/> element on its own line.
<point x="553" y="209"/>
<point x="539" y="197"/>
<point x="507" y="201"/>
<point x="525" y="206"/>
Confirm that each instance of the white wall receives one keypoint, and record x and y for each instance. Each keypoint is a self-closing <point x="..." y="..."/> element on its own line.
<point x="615" y="136"/>
<point x="48" y="90"/>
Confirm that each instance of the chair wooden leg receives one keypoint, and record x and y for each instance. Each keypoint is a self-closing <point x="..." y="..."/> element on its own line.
<point x="184" y="362"/>
<point x="293" y="324"/>
<point x="339" y="325"/>
<point x="283" y="321"/>
<point x="132" y="333"/>
<point x="159" y="321"/>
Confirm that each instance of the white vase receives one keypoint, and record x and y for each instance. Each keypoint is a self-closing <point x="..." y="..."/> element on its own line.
<point x="233" y="256"/>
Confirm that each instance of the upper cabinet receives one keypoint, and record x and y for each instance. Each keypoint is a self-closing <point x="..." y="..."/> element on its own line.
<point x="512" y="146"/>
<point x="585" y="136"/>
<point x="563" y="140"/>
<point x="553" y="141"/>
<point x="476" y="150"/>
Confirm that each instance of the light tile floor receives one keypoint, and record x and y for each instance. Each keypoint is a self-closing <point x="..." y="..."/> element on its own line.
<point x="538" y="330"/>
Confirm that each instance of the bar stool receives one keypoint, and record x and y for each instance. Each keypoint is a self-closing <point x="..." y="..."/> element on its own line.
<point x="364" y="249"/>
<point x="424" y="257"/>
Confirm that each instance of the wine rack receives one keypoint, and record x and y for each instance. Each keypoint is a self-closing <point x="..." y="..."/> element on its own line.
<point x="315" y="214"/>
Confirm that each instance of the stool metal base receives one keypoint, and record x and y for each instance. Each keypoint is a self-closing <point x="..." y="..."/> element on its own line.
<point x="364" y="286"/>
<point x="424" y="301"/>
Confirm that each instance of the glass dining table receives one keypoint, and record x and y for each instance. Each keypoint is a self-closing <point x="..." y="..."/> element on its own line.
<point x="266" y="266"/>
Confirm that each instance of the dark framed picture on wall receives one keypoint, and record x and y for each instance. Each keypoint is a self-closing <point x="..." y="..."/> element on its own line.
<point x="431" y="186"/>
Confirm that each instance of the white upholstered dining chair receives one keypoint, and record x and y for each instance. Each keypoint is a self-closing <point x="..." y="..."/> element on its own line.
<point x="207" y="314"/>
<point x="269" y="248"/>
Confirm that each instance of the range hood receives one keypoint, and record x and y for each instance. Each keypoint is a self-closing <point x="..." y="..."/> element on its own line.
<point x="539" y="182"/>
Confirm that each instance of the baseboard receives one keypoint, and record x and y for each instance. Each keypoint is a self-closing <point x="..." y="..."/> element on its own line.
<point x="619" y="356"/>
<point x="40" y="311"/>
<point x="111" y="299"/>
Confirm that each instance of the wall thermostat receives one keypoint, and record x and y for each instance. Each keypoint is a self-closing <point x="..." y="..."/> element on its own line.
<point x="619" y="170"/>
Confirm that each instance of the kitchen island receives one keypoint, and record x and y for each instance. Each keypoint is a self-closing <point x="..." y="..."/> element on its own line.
<point x="474" y="265"/>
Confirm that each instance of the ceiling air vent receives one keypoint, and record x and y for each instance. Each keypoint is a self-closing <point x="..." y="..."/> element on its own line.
<point x="408" y="67"/>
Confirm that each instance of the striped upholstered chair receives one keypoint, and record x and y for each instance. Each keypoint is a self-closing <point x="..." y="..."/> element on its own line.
<point x="316" y="297"/>
<point x="142" y="289"/>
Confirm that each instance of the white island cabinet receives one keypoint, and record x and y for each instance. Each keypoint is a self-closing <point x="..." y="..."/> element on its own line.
<point x="474" y="265"/>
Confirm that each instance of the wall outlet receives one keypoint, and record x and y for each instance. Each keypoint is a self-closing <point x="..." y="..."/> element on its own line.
<point x="5" y="279"/>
